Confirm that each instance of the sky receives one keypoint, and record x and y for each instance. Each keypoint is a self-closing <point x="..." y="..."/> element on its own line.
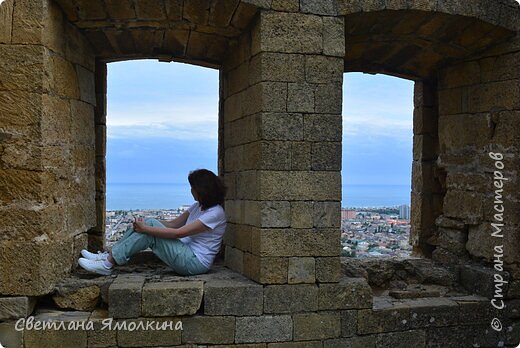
<point x="162" y="122"/>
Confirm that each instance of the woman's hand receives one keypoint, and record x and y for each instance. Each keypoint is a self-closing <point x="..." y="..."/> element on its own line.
<point x="139" y="225"/>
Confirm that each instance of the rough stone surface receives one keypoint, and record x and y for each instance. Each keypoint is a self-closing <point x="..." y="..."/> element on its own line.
<point x="214" y="330"/>
<point x="171" y="298"/>
<point x="348" y="293"/>
<point x="320" y="325"/>
<point x="229" y="297"/>
<point x="290" y="298"/>
<point x="16" y="307"/>
<point x="266" y="328"/>
<point x="83" y="299"/>
<point x="124" y="297"/>
<point x="302" y="270"/>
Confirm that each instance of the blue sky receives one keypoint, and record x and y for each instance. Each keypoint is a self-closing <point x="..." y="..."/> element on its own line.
<point x="162" y="123"/>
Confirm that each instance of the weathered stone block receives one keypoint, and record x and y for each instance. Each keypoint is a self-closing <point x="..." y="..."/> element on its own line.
<point x="265" y="96"/>
<point x="302" y="344"/>
<point x="86" y="85"/>
<point x="328" y="98"/>
<point x="9" y="335"/>
<point x="196" y="11"/>
<point x="100" y="336"/>
<point x="221" y="13"/>
<point x="290" y="298"/>
<point x="78" y="49"/>
<point x="63" y="78"/>
<point x="299" y="185"/>
<point x="300" y="155"/>
<point x="463" y="205"/>
<point x="425" y="120"/>
<point x="296" y="242"/>
<point x="349" y="293"/>
<point x="120" y="9"/>
<point x="353" y="342"/>
<point x="16" y="307"/>
<point x="443" y="221"/>
<point x="237" y="79"/>
<point x="172" y="298"/>
<point x="150" y="9"/>
<point x="267" y="328"/>
<point x="323" y="69"/>
<point x="268" y="66"/>
<point x="322" y="127"/>
<point x="82" y="299"/>
<point x="300" y="97"/>
<point x="320" y="325"/>
<point x="6" y="21"/>
<point x="124" y="297"/>
<point x="302" y="214"/>
<point x="328" y="269"/>
<point x="383" y="320"/>
<point x="289" y="33"/>
<point x="326" y="156"/>
<point x="281" y="126"/>
<point x="22" y="68"/>
<point x="415" y="338"/>
<point x="301" y="270"/>
<point x="234" y="259"/>
<point x="230" y="297"/>
<point x="247" y="185"/>
<point x="349" y="324"/>
<point x="319" y="7"/>
<point x="266" y="270"/>
<point x="482" y="243"/>
<point x="29" y="21"/>
<point x="57" y="338"/>
<point x="453" y="240"/>
<point x="480" y="280"/>
<point x="463" y="74"/>
<point x="327" y="214"/>
<point x="32" y="268"/>
<point x="275" y="214"/>
<point x="211" y="330"/>
<point x="333" y="36"/>
<point x="150" y="338"/>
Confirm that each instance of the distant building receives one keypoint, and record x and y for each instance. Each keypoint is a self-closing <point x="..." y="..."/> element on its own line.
<point x="404" y="212"/>
<point x="348" y="214"/>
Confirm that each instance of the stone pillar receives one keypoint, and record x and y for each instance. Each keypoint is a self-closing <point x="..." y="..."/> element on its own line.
<point x="46" y="146"/>
<point x="282" y="89"/>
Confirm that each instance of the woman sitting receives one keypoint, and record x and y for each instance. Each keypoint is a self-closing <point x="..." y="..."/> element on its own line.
<point x="188" y="244"/>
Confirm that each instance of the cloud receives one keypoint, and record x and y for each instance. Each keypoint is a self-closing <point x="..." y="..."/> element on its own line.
<point x="194" y="118"/>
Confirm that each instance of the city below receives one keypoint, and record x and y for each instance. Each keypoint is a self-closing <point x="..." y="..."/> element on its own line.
<point x="365" y="232"/>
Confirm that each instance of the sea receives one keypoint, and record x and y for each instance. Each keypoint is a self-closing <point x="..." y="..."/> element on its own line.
<point x="132" y="196"/>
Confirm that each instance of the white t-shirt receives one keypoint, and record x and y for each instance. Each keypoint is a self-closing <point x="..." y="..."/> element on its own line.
<point x="206" y="245"/>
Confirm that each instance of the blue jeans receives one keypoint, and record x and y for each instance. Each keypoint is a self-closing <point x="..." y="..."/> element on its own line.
<point x="173" y="252"/>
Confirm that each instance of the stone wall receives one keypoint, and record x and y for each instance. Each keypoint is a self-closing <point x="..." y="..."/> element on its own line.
<point x="479" y="106"/>
<point x="46" y="148"/>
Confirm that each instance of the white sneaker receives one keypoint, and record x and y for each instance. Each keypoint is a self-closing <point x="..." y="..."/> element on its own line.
<point x="96" y="266"/>
<point x="95" y="257"/>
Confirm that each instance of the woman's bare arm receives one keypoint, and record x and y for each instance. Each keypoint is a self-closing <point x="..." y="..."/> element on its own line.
<point x="179" y="221"/>
<point x="187" y="230"/>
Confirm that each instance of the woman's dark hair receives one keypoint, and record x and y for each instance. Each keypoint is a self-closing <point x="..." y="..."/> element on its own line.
<point x="209" y="187"/>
